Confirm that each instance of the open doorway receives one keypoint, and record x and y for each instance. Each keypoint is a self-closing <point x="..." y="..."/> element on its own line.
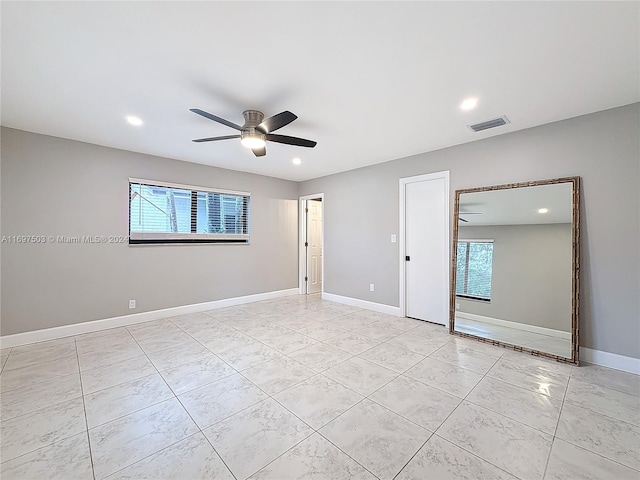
<point x="311" y="244"/>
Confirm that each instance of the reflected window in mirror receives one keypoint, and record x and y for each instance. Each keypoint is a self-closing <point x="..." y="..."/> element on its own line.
<point x="474" y="269"/>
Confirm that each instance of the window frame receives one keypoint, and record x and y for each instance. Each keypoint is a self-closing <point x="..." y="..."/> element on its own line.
<point x="466" y="269"/>
<point x="192" y="237"/>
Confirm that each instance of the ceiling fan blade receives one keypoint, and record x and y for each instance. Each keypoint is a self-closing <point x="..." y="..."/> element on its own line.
<point x="212" y="139"/>
<point x="300" y="142"/>
<point x="272" y="124"/>
<point x="215" y="119"/>
<point x="259" y="152"/>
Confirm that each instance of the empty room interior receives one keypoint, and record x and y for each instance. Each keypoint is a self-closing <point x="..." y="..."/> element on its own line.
<point x="320" y="240"/>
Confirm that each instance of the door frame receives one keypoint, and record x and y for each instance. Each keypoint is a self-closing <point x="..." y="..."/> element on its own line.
<point x="402" y="280"/>
<point x="302" y="250"/>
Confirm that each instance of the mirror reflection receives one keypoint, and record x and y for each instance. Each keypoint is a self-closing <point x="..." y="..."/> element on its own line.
<point x="514" y="266"/>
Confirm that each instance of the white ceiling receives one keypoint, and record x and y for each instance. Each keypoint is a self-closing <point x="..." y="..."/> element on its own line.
<point x="369" y="81"/>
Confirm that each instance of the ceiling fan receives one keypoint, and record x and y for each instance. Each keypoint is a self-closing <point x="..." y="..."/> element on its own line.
<point x="256" y="131"/>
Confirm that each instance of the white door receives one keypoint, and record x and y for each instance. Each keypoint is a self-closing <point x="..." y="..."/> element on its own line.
<point x="314" y="246"/>
<point x="426" y="206"/>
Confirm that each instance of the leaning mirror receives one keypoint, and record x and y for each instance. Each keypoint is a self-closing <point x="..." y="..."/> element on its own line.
<point x="515" y="266"/>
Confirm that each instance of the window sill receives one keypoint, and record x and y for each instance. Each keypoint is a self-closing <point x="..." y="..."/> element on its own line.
<point x="471" y="297"/>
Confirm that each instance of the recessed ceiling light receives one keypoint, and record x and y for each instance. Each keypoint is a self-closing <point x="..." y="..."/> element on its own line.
<point x="296" y="161"/>
<point x="543" y="210"/>
<point x="469" y="103"/>
<point x="133" y="120"/>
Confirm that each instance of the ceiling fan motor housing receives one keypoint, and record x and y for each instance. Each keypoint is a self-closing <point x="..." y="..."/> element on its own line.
<point x="252" y="118"/>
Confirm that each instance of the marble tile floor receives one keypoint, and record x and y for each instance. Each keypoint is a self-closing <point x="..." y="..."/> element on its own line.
<point x="515" y="336"/>
<point x="302" y="388"/>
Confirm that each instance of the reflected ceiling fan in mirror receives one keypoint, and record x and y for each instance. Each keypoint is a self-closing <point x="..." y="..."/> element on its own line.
<point x="256" y="131"/>
<point x="467" y="213"/>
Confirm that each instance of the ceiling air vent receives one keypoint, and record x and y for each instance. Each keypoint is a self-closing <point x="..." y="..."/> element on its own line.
<point x="494" y="122"/>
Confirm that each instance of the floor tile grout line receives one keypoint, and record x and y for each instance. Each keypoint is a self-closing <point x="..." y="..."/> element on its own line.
<point x="235" y="372"/>
<point x="46" y="362"/>
<point x="219" y="456"/>
<point x="413" y="456"/>
<point x="163" y="448"/>
<point x="84" y="408"/>
<point x="284" y="453"/>
<point x="597" y="454"/>
<point x="460" y="366"/>
<point x="133" y="412"/>
<point x="345" y="453"/>
<point x="400" y="414"/>
<point x="608" y="417"/>
<point x="475" y="455"/>
<point x="519" y="387"/>
<point x="41" y="408"/>
<point x="571" y="377"/>
<point x="564" y="397"/>
<point x="111" y="365"/>
<point x="328" y="440"/>
<point x="121" y="383"/>
<point x="510" y="418"/>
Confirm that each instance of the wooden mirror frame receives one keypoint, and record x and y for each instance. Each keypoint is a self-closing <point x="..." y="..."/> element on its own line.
<point x="575" y="262"/>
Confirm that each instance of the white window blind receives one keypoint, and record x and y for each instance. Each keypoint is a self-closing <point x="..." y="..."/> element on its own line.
<point x="162" y="212"/>
<point x="474" y="269"/>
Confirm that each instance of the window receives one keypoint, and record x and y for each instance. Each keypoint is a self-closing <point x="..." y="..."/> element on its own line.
<point x="474" y="268"/>
<point x="162" y="212"/>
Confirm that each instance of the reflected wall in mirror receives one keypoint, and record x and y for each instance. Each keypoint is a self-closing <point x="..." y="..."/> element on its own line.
<point x="515" y="266"/>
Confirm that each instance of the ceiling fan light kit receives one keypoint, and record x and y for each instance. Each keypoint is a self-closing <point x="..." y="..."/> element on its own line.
<point x="256" y="131"/>
<point x="252" y="139"/>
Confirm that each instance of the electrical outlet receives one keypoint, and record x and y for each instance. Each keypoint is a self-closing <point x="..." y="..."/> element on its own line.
<point x="372" y="287"/>
<point x="393" y="238"/>
<point x="457" y="306"/>
<point x="132" y="304"/>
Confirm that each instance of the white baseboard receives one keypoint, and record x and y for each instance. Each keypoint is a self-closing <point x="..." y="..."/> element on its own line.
<point x="356" y="302"/>
<point x="104" y="324"/>
<point x="520" y="326"/>
<point x="611" y="360"/>
<point x="597" y="357"/>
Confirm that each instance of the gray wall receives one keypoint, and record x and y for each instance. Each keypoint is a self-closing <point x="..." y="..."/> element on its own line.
<point x="531" y="280"/>
<point x="361" y="211"/>
<point x="52" y="186"/>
